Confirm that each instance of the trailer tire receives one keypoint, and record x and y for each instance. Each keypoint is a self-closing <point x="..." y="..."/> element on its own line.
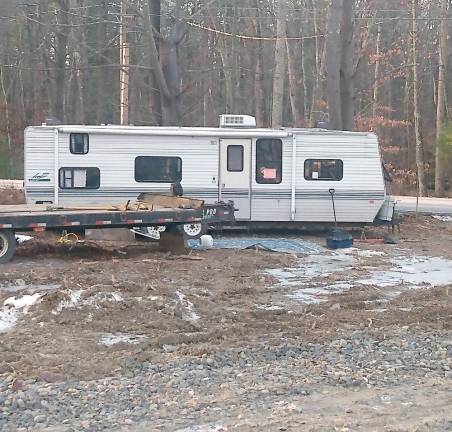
<point x="7" y="246"/>
<point x="193" y="231"/>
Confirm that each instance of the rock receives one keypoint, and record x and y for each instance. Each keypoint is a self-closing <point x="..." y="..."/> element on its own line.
<point x="40" y="418"/>
<point x="20" y="404"/>
<point x="168" y="348"/>
<point x="17" y="385"/>
<point x="51" y="377"/>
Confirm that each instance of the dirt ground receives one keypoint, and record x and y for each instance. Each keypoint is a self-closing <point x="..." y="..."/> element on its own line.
<point x="11" y="196"/>
<point x="214" y="301"/>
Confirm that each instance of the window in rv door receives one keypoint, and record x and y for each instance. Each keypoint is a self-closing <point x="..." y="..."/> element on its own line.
<point x="158" y="169"/>
<point x="235" y="158"/>
<point x="323" y="169"/>
<point x="79" y="178"/>
<point x="268" y="161"/>
<point x="79" y="143"/>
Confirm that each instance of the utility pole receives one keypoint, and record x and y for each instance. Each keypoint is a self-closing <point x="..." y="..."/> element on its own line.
<point x="124" y="62"/>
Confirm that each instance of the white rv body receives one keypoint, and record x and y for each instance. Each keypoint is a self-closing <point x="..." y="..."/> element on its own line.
<point x="203" y="152"/>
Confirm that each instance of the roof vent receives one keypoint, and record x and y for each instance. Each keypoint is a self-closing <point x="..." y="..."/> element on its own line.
<point x="237" y="121"/>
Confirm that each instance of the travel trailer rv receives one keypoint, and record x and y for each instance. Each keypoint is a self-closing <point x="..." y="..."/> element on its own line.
<point x="272" y="175"/>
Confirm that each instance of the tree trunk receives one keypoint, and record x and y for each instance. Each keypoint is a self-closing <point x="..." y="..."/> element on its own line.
<point x="417" y="113"/>
<point x="441" y="101"/>
<point x="155" y="103"/>
<point x="259" y="91"/>
<point x="376" y="92"/>
<point x="320" y="63"/>
<point x="279" y="73"/>
<point x="333" y="64"/>
<point x="347" y="67"/>
<point x="294" y="91"/>
<point x="61" y="34"/>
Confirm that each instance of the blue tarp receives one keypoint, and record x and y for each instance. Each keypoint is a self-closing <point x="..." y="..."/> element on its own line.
<point x="271" y="244"/>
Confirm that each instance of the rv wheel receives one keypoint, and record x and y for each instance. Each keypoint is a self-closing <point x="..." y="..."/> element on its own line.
<point x="193" y="230"/>
<point x="7" y="246"/>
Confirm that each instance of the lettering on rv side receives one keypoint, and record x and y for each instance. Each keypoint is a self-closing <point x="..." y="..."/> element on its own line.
<point x="40" y="177"/>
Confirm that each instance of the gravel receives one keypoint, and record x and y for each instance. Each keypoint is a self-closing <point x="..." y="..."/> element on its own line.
<point x="228" y="386"/>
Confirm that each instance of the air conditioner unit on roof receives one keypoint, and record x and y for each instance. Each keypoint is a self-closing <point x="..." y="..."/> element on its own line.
<point x="237" y="121"/>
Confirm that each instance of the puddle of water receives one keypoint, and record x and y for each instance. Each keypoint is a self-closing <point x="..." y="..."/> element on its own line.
<point x="412" y="272"/>
<point x="315" y="295"/>
<point x="20" y="285"/>
<point x="314" y="266"/>
<point x="110" y="339"/>
<point x="405" y="272"/>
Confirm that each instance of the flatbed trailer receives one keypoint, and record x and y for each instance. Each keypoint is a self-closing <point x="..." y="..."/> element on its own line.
<point x="38" y="218"/>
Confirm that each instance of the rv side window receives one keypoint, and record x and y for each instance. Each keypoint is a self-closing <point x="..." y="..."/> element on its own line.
<point x="235" y="158"/>
<point x="323" y="169"/>
<point x="268" y="161"/>
<point x="79" y="143"/>
<point x="79" y="178"/>
<point x="158" y="169"/>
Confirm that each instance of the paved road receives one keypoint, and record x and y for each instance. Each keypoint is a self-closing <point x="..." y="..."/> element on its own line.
<point x="426" y="205"/>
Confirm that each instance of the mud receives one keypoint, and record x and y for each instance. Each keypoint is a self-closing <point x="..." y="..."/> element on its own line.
<point x="211" y="302"/>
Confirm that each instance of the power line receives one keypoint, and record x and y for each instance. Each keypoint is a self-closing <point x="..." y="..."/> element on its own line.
<point x="239" y="36"/>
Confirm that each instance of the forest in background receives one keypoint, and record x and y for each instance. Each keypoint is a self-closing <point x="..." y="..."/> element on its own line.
<point x="367" y="65"/>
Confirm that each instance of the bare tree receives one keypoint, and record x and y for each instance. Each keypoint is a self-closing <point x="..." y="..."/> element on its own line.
<point x="333" y="64"/>
<point x="347" y="67"/>
<point x="279" y="73"/>
<point x="417" y="113"/>
<point x="441" y="100"/>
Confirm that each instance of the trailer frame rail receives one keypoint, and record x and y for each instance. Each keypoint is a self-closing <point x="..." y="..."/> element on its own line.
<point x="39" y="219"/>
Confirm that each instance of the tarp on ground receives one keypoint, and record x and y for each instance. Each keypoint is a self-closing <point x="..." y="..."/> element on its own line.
<point x="269" y="244"/>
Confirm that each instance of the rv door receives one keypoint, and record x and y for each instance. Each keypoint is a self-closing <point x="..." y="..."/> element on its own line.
<point x="235" y="175"/>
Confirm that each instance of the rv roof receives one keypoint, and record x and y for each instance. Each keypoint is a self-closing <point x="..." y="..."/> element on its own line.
<point x="195" y="131"/>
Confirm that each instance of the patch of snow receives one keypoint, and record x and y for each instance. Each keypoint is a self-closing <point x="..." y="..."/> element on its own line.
<point x="188" y="312"/>
<point x="75" y="300"/>
<point x="24" y="302"/>
<point x="117" y="296"/>
<point x="212" y="427"/>
<point x="72" y="300"/>
<point x="23" y="238"/>
<point x="368" y="253"/>
<point x="268" y="307"/>
<point x="13" y="307"/>
<point x="8" y="319"/>
<point x="110" y="339"/>
<point x="443" y="218"/>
